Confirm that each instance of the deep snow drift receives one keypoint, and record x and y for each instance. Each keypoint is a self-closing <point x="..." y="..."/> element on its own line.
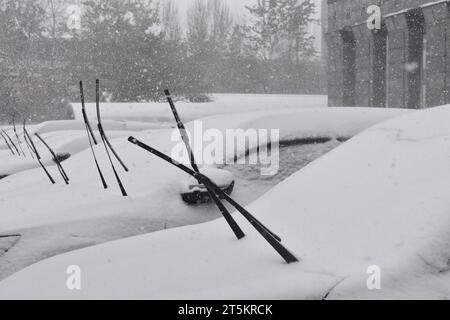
<point x="150" y="182"/>
<point x="220" y="104"/>
<point x="85" y="215"/>
<point x="64" y="137"/>
<point x="380" y="199"/>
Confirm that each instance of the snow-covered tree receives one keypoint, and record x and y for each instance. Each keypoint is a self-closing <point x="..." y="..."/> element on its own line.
<point x="22" y="25"/>
<point x="170" y="21"/>
<point x="122" y="44"/>
<point x="279" y="27"/>
<point x="278" y="37"/>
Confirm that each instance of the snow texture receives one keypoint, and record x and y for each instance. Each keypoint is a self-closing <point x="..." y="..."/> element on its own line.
<point x="374" y="200"/>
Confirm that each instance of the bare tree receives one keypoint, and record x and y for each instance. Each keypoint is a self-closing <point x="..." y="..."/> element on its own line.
<point x="198" y="27"/>
<point x="279" y="27"/>
<point x="209" y="26"/>
<point x="221" y="23"/>
<point x="170" y="21"/>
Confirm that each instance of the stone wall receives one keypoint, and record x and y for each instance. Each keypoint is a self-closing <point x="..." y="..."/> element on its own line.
<point x="404" y="73"/>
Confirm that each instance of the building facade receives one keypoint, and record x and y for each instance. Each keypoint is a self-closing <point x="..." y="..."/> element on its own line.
<point x="405" y="63"/>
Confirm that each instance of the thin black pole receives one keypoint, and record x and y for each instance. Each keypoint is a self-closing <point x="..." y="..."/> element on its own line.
<point x="105" y="139"/>
<point x="39" y="158"/>
<point x="264" y="231"/>
<point x="12" y="142"/>
<point x="101" y="128"/>
<point x="7" y="143"/>
<point x="17" y="137"/>
<point x="91" y="134"/>
<point x="182" y="130"/>
<point x="55" y="158"/>
<point x="226" y="214"/>
<point x="185" y="139"/>
<point x="85" y="117"/>
<point x="26" y="140"/>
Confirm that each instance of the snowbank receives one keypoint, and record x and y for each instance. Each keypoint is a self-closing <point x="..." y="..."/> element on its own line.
<point x="221" y="104"/>
<point x="149" y="178"/>
<point x="380" y="199"/>
<point x="64" y="137"/>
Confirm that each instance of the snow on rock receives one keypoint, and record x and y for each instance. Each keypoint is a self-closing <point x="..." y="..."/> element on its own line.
<point x="380" y="199"/>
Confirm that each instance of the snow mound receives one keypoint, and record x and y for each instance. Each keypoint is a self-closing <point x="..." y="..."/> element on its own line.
<point x="221" y="104"/>
<point x="221" y="178"/>
<point x="65" y="137"/>
<point x="380" y="198"/>
<point x="149" y="178"/>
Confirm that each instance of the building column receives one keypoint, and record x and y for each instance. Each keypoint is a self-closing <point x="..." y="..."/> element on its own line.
<point x="435" y="74"/>
<point x="364" y="63"/>
<point x="397" y="79"/>
<point x="335" y="68"/>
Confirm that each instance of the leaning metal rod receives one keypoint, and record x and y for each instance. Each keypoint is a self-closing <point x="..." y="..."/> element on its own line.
<point x="26" y="139"/>
<point x="7" y="143"/>
<point x="185" y="139"/>
<point x="17" y="137"/>
<point x="12" y="142"/>
<point x="285" y="253"/>
<point x="55" y="158"/>
<point x="182" y="130"/>
<point x="3" y="236"/>
<point x="90" y="134"/>
<point x="102" y="130"/>
<point x="86" y="120"/>
<point x="194" y="174"/>
<point x="39" y="158"/>
<point x="105" y="144"/>
<point x="226" y="214"/>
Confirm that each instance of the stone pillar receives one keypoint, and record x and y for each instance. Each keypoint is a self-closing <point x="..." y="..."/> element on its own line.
<point x="397" y="58"/>
<point x="436" y="75"/>
<point x="364" y="59"/>
<point x="335" y="68"/>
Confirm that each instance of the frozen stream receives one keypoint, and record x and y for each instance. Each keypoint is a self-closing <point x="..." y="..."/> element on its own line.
<point x="39" y="243"/>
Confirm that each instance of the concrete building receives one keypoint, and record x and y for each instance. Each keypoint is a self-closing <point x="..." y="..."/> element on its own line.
<point x="404" y="64"/>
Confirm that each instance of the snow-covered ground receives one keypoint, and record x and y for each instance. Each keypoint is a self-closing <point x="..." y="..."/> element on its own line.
<point x="64" y="137"/>
<point x="148" y="175"/>
<point x="220" y="104"/>
<point x="124" y="119"/>
<point x="194" y="261"/>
